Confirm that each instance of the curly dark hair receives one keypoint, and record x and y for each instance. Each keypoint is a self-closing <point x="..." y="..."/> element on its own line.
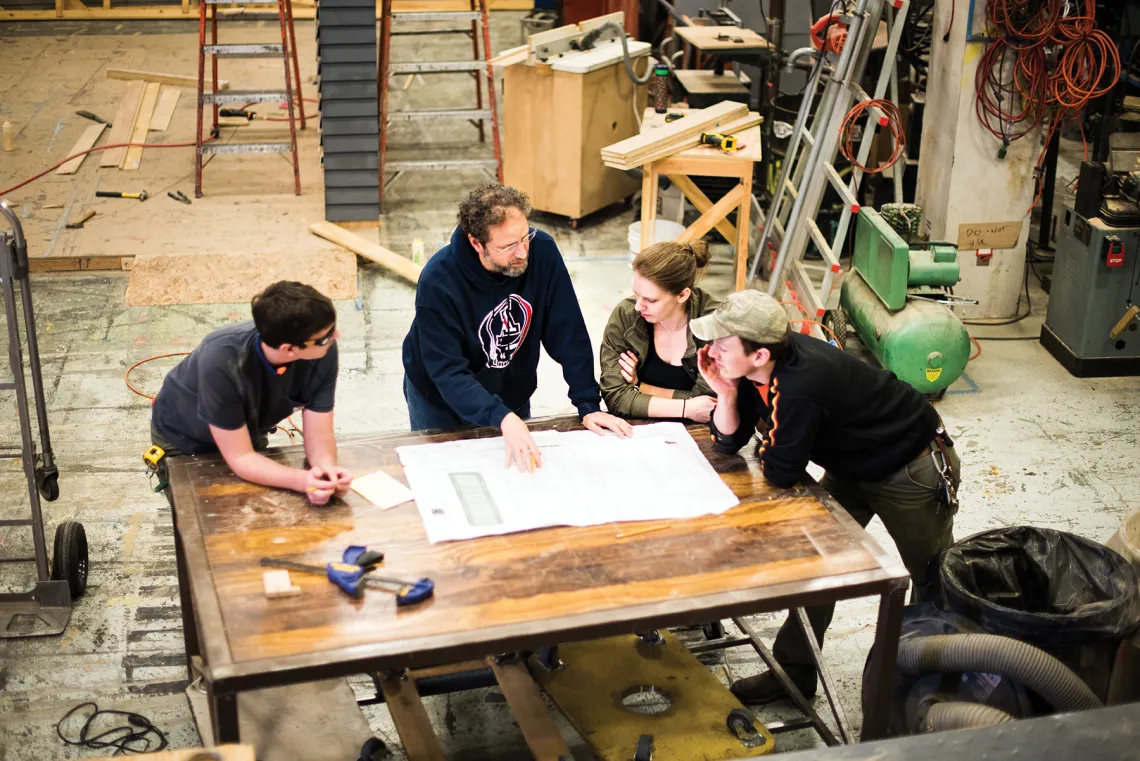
<point x="487" y="205"/>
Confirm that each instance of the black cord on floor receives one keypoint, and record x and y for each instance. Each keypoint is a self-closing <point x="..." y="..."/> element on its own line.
<point x="123" y="738"/>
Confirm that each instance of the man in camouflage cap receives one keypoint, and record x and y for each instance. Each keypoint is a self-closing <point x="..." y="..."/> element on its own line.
<point x="881" y="443"/>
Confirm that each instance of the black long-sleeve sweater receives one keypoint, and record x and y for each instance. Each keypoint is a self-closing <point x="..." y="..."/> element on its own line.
<point x="854" y="420"/>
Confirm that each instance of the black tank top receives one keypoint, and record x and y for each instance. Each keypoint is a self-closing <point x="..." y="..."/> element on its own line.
<point x="657" y="372"/>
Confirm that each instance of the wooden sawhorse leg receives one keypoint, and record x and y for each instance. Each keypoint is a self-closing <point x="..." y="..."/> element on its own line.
<point x="525" y="700"/>
<point x="649" y="185"/>
<point x="410" y="717"/>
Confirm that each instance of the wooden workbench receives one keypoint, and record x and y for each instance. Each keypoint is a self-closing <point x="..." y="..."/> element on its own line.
<point x="706" y="161"/>
<point x="507" y="594"/>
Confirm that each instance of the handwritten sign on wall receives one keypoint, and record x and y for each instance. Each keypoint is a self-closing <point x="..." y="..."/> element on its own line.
<point x="974" y="236"/>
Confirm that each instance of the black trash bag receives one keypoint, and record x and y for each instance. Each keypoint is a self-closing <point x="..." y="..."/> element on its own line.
<point x="1072" y="597"/>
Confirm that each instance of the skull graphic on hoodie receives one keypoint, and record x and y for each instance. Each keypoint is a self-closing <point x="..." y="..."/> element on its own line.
<point x="504" y="329"/>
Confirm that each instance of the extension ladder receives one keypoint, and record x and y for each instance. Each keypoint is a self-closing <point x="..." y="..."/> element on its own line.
<point x="479" y="67"/>
<point x="291" y="95"/>
<point x="806" y="174"/>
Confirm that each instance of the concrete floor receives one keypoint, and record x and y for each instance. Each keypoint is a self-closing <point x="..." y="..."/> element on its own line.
<point x="1038" y="447"/>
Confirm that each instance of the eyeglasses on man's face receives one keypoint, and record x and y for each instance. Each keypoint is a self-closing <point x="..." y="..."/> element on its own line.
<point x="324" y="340"/>
<point x="512" y="248"/>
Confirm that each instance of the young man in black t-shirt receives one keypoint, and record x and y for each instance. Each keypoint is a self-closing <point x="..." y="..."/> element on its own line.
<point x="880" y="441"/>
<point x="244" y="379"/>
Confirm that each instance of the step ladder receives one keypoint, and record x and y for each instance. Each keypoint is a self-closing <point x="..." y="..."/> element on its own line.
<point x="479" y="67"/>
<point x="291" y="95"/>
<point x="809" y="164"/>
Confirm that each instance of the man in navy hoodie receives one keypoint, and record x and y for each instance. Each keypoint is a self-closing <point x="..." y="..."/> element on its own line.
<point x="483" y="304"/>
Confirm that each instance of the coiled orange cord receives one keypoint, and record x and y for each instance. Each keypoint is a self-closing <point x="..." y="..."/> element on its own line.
<point x="893" y="121"/>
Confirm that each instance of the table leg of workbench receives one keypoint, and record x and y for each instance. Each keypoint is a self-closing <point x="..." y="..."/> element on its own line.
<point x="189" y="624"/>
<point x="742" y="229"/>
<point x="223" y="715"/>
<point x="649" y="184"/>
<point x="878" y="686"/>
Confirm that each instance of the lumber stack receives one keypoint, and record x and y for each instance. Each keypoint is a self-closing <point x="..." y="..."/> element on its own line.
<point x="656" y="143"/>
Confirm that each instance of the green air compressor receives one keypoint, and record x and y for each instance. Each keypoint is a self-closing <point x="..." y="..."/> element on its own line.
<point x="889" y="298"/>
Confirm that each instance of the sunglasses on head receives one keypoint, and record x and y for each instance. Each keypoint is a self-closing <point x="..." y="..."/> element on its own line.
<point x="324" y="340"/>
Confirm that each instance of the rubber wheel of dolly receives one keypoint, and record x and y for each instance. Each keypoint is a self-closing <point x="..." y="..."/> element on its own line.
<point x="373" y="749"/>
<point x="644" y="751"/>
<point x="48" y="486"/>
<point x="69" y="560"/>
<point x="836" y="319"/>
<point x="740" y="724"/>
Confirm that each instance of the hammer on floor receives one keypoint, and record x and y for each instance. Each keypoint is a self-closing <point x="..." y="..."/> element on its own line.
<point x="115" y="194"/>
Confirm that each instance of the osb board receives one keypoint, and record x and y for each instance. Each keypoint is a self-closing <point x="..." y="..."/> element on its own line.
<point x="163" y="279"/>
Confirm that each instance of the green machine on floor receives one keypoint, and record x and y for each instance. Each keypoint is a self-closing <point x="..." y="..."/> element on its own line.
<point x="895" y="297"/>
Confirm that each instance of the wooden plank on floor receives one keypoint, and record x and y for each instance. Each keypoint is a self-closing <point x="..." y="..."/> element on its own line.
<point x="175" y="80"/>
<point x="522" y="694"/>
<point x="164" y="111"/>
<point x="87" y="140"/>
<point x="399" y="265"/>
<point x="124" y="122"/>
<point x="80" y="263"/>
<point x="312" y="721"/>
<point x="411" y="719"/>
<point x="133" y="158"/>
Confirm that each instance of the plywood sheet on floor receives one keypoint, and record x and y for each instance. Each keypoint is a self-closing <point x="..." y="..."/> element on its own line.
<point x="161" y="279"/>
<point x="315" y="721"/>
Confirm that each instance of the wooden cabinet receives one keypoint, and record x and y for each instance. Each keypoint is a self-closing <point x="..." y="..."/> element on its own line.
<point x="555" y="126"/>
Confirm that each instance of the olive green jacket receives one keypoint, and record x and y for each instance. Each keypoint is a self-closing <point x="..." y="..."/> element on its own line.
<point x="628" y="331"/>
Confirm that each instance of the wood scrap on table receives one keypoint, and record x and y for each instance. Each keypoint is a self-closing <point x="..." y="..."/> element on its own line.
<point x="87" y="140"/>
<point x="176" y="80"/>
<point x="399" y="265"/>
<point x="678" y="135"/>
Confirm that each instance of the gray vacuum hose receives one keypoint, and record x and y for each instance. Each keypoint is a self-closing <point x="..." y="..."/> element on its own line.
<point x="625" y="53"/>
<point x="989" y="653"/>
<point x="947" y="716"/>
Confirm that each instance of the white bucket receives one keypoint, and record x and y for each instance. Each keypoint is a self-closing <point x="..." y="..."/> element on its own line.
<point x="663" y="230"/>
<point x="1126" y="540"/>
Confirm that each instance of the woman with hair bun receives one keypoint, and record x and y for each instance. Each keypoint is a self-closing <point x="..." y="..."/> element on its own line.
<point x="648" y="354"/>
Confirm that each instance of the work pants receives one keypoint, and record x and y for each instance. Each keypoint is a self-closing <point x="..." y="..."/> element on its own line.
<point x="914" y="515"/>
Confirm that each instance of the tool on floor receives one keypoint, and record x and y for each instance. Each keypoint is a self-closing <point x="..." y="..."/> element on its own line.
<point x="726" y="143"/>
<point x="47" y="605"/>
<point x="116" y="194"/>
<point x="179" y="196"/>
<point x="291" y="96"/>
<point x="81" y="221"/>
<point x="152" y="457"/>
<point x="238" y="113"/>
<point x="93" y="117"/>
<point x="478" y="68"/>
